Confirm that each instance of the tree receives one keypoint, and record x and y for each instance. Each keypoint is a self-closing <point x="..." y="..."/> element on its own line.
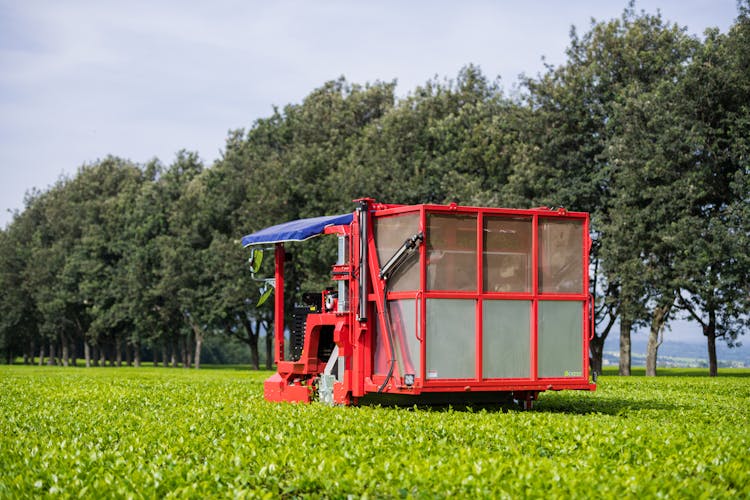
<point x="444" y="142"/>
<point x="101" y="196"/>
<point x="51" y="284"/>
<point x="19" y="333"/>
<point x="715" y="269"/>
<point x="568" y="150"/>
<point x="180" y="285"/>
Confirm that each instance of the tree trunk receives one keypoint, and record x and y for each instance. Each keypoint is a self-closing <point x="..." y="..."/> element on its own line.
<point x="174" y="353"/>
<point x="28" y="353"/>
<point x="32" y="351"/>
<point x="596" y="347"/>
<point x="188" y="353"/>
<point x="52" y="354"/>
<point x="183" y="352"/>
<point x="128" y="354"/>
<point x="87" y="353"/>
<point x="254" y="355"/>
<point x="80" y="334"/>
<point x="137" y="354"/>
<point x="164" y="356"/>
<point x="118" y="351"/>
<point x="198" y="345"/>
<point x="65" y="350"/>
<point x="626" y="324"/>
<point x="712" y="363"/>
<point x="41" y="354"/>
<point x="252" y="336"/>
<point x="269" y="350"/>
<point x="710" y="332"/>
<point x="652" y="349"/>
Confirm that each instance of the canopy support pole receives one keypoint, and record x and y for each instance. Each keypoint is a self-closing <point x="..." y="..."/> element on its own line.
<point x="278" y="304"/>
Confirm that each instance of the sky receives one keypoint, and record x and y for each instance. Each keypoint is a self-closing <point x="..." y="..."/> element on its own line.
<point x="80" y="80"/>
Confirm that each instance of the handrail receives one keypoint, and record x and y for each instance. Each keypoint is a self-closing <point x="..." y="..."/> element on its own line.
<point x="417" y="321"/>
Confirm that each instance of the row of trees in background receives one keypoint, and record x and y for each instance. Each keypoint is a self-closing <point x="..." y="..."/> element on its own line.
<point x="644" y="126"/>
<point x="120" y="258"/>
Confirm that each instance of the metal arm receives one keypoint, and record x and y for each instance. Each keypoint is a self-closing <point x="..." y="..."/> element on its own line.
<point x="401" y="255"/>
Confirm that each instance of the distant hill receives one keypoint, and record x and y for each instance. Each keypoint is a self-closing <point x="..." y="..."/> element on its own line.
<point x="678" y="354"/>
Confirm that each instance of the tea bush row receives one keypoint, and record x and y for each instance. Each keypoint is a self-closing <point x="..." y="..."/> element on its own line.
<point x="176" y="433"/>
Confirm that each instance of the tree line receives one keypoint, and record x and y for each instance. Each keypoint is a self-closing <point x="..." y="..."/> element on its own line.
<point x="644" y="126"/>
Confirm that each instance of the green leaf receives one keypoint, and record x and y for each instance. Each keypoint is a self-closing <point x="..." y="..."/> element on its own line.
<point x="256" y="259"/>
<point x="265" y="293"/>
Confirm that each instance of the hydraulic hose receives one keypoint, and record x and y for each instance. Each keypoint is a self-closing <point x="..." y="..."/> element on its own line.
<point x="390" y="339"/>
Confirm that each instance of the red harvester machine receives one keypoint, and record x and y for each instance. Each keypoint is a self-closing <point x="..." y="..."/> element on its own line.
<point x="437" y="304"/>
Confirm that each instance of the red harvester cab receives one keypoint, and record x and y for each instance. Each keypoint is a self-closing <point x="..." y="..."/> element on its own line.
<point x="437" y="303"/>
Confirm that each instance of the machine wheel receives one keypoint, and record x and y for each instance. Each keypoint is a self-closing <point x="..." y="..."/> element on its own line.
<point x="525" y="400"/>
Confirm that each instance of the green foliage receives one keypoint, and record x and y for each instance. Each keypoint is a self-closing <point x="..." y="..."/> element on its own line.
<point x="109" y="432"/>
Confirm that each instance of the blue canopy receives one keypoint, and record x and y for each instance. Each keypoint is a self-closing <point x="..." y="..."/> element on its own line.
<point x="296" y="230"/>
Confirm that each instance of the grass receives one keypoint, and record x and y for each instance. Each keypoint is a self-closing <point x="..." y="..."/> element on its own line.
<point x="105" y="432"/>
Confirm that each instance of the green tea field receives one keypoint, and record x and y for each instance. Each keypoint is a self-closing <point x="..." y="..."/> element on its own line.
<point x="148" y="433"/>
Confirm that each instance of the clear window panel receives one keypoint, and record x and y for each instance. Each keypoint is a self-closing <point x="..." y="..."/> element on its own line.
<point x="560" y="338"/>
<point x="451" y="252"/>
<point x="505" y="338"/>
<point x="507" y="254"/>
<point x="403" y="314"/>
<point x="451" y="338"/>
<point x="390" y="234"/>
<point x="560" y="256"/>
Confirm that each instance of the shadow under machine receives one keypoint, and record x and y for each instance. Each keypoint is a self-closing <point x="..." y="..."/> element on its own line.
<point x="437" y="303"/>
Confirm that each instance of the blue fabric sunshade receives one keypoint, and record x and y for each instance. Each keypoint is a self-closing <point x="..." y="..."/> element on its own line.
<point x="296" y="230"/>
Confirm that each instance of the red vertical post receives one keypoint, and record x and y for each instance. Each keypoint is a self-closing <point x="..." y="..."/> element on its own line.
<point x="479" y="322"/>
<point x="422" y="289"/>
<point x="534" y="344"/>
<point x="588" y="332"/>
<point x="278" y="302"/>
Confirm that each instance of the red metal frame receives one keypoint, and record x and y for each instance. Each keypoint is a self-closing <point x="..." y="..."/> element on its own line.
<point x="295" y="380"/>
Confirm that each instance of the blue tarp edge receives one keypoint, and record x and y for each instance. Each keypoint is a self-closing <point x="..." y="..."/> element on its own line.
<point x="296" y="230"/>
